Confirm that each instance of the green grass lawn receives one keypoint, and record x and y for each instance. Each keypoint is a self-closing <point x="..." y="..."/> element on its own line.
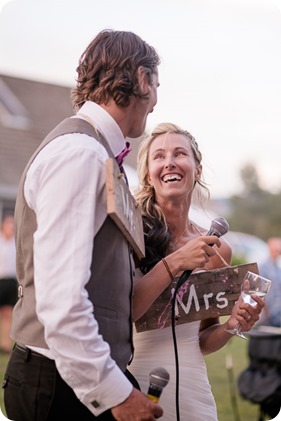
<point x="224" y="382"/>
<point x="219" y="379"/>
<point x="3" y="364"/>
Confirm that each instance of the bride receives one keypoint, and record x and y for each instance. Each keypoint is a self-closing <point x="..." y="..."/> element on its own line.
<point x="170" y="174"/>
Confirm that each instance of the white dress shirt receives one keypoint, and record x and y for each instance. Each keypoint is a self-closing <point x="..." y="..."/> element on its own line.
<point x="65" y="186"/>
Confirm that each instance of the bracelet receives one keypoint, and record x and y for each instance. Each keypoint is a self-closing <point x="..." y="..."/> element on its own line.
<point x="167" y="268"/>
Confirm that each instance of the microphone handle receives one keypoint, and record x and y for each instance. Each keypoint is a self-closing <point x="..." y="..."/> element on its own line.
<point x="154" y="393"/>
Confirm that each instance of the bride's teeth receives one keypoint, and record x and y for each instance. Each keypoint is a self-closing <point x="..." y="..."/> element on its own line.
<point x="172" y="177"/>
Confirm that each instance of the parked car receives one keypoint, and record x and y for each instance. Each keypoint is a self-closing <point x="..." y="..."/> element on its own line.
<point x="247" y="247"/>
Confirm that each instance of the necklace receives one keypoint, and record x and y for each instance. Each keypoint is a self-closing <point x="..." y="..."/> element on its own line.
<point x="174" y="241"/>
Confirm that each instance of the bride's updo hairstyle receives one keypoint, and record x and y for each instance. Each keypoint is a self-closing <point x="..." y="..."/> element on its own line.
<point x="156" y="232"/>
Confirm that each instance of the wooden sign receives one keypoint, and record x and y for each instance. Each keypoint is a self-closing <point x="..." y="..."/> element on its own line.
<point x="122" y="208"/>
<point x="205" y="295"/>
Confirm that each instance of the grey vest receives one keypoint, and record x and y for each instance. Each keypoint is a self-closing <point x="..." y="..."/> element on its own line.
<point x="111" y="282"/>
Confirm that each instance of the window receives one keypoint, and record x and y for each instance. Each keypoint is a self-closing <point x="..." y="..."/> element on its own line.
<point x="12" y="113"/>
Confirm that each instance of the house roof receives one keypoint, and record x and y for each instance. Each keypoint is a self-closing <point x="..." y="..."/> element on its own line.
<point x="28" y="111"/>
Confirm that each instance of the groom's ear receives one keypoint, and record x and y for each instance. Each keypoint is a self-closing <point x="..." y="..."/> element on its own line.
<point x="143" y="80"/>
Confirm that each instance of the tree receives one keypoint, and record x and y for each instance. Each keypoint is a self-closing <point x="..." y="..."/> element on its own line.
<point x="255" y="211"/>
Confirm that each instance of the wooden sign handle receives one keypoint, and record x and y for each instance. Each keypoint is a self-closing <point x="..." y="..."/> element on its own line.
<point x="121" y="207"/>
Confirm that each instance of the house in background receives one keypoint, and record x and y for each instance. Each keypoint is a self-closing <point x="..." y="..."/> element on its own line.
<point x="28" y="111"/>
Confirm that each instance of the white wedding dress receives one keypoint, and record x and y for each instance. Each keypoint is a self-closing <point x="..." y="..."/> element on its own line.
<point x="154" y="348"/>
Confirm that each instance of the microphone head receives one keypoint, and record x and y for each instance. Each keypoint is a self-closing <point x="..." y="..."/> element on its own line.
<point x="219" y="226"/>
<point x="159" y="377"/>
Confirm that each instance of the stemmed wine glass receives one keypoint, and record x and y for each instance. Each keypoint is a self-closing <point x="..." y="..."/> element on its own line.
<point x="253" y="284"/>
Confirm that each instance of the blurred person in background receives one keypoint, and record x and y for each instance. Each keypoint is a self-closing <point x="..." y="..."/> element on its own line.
<point x="8" y="281"/>
<point x="271" y="269"/>
<point x="260" y="382"/>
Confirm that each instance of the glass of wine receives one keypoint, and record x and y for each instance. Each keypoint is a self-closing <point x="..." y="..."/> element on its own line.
<point x="253" y="284"/>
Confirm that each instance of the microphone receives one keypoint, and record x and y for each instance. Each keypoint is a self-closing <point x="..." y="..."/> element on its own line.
<point x="219" y="227"/>
<point x="158" y="379"/>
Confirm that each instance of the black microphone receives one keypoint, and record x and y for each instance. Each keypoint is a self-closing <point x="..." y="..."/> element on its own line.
<point x="158" y="379"/>
<point x="219" y="227"/>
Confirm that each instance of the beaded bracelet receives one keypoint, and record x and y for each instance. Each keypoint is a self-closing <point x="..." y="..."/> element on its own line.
<point x="167" y="268"/>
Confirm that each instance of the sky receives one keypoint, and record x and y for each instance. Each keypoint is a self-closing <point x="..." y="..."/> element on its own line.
<point x="220" y="72"/>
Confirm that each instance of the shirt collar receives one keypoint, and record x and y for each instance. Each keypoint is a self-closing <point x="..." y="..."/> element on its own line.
<point x="105" y="124"/>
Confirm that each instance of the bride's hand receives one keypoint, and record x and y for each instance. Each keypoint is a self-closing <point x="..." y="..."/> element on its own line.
<point x="196" y="252"/>
<point x="245" y="314"/>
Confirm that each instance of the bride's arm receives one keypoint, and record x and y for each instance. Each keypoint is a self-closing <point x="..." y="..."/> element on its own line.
<point x="212" y="334"/>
